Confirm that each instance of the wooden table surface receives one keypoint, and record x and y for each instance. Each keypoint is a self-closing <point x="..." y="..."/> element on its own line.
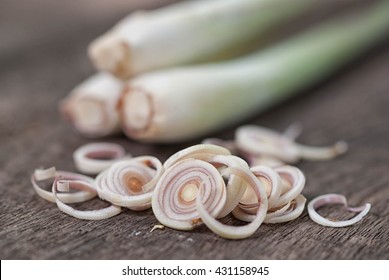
<point x="43" y="57"/>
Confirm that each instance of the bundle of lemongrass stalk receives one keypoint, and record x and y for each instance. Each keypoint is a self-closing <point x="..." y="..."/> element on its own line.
<point x="159" y="81"/>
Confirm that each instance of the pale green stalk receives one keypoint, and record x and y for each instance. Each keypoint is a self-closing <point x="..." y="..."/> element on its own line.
<point x="183" y="103"/>
<point x="187" y="32"/>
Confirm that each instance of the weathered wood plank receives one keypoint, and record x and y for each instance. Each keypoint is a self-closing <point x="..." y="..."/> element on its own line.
<point x="351" y="106"/>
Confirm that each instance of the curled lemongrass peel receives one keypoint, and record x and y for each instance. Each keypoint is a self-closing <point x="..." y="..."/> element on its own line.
<point x="335" y="199"/>
<point x="96" y="157"/>
<point x="51" y="173"/>
<point x="100" y="214"/>
<point x="232" y="232"/>
<point x="130" y="183"/>
<point x="260" y="141"/>
<point x="44" y="174"/>
<point x="174" y="197"/>
<point x="91" y="106"/>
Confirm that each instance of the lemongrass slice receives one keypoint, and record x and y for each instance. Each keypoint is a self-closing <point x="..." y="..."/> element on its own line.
<point x="130" y="183"/>
<point x="100" y="214"/>
<point x="51" y="173"/>
<point x="174" y="196"/>
<point x="255" y="160"/>
<point x="272" y="182"/>
<point x="293" y="131"/>
<point x="273" y="186"/>
<point x="266" y="142"/>
<point x="91" y="106"/>
<point x="200" y="151"/>
<point x="96" y="157"/>
<point x="293" y="211"/>
<point x="236" y="187"/>
<point x="294" y="181"/>
<point x="228" y="144"/>
<point x="233" y="232"/>
<point x="335" y="199"/>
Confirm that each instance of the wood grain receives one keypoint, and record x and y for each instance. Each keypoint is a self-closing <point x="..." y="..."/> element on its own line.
<point x="352" y="105"/>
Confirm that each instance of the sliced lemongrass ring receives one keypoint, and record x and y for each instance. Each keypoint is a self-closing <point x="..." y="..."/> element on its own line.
<point x="262" y="141"/>
<point x="201" y="151"/>
<point x="335" y="199"/>
<point x="236" y="187"/>
<point x="272" y="182"/>
<point x="293" y="131"/>
<point x="136" y="175"/>
<point x="174" y="197"/>
<point x="228" y="144"/>
<point x="248" y="214"/>
<point x="322" y="153"/>
<point x="275" y="212"/>
<point x="294" y="179"/>
<point x="293" y="211"/>
<point x="130" y="183"/>
<point x="266" y="142"/>
<point x="233" y="232"/>
<point x="255" y="160"/>
<point x="51" y="173"/>
<point x="137" y="202"/>
<point x="96" y="157"/>
<point x="100" y="214"/>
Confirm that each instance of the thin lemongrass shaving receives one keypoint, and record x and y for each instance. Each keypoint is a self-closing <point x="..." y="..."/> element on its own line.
<point x="240" y="232"/>
<point x="44" y="174"/>
<point x="260" y="141"/>
<point x="50" y="173"/>
<point x="96" y="157"/>
<point x="296" y="207"/>
<point x="157" y="227"/>
<point x="174" y="196"/>
<point x="100" y="214"/>
<point x="323" y="200"/>
<point x="201" y="151"/>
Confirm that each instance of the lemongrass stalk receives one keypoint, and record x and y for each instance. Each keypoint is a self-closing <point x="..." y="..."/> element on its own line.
<point x="186" y="32"/>
<point x="184" y="103"/>
<point x="91" y="106"/>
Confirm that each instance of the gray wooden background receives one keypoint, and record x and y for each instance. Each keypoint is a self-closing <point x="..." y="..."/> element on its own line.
<point x="42" y="57"/>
